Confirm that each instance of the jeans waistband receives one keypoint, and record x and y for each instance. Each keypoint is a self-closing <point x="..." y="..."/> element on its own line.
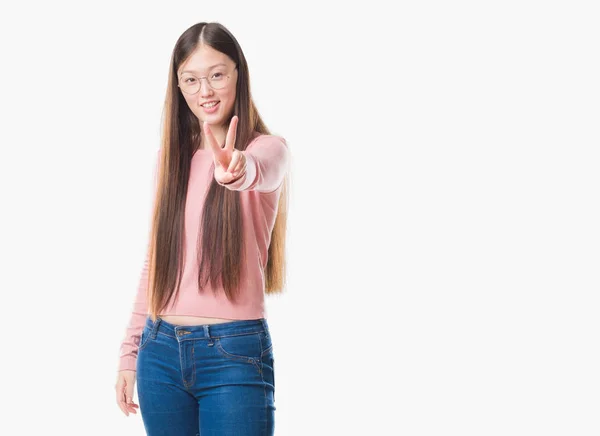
<point x="207" y="331"/>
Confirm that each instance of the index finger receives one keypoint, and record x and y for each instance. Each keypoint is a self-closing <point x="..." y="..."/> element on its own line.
<point x="231" y="133"/>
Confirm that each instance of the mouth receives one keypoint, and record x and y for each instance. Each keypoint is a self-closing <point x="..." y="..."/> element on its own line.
<point x="210" y="107"/>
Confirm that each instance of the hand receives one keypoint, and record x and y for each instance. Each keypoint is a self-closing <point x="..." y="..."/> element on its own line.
<point x="230" y="163"/>
<point x="124" y="387"/>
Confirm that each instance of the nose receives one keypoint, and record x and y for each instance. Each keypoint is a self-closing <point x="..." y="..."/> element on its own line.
<point x="205" y="89"/>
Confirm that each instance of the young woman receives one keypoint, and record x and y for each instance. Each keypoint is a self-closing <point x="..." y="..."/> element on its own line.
<point x="198" y="343"/>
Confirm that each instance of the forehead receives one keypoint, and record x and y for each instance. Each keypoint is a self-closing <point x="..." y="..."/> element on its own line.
<point x="204" y="59"/>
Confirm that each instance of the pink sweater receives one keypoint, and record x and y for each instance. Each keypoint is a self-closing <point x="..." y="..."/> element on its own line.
<point x="268" y="160"/>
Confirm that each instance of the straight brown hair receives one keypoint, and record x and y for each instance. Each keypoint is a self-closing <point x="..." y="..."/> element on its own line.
<point x="220" y="232"/>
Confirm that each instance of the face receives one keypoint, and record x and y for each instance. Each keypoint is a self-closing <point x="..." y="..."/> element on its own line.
<point x="210" y="63"/>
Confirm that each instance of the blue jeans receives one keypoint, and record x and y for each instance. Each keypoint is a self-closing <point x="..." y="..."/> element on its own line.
<point x="208" y="380"/>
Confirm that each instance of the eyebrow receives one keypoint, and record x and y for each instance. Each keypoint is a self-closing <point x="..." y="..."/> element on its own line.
<point x="196" y="71"/>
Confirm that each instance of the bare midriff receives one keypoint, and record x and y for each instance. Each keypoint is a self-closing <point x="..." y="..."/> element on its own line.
<point x="192" y="320"/>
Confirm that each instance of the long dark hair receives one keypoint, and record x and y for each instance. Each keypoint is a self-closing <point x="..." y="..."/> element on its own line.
<point x="220" y="233"/>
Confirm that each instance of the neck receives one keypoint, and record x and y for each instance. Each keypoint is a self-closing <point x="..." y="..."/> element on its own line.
<point x="217" y="132"/>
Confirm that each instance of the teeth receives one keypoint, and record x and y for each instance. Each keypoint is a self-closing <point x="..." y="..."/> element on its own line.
<point x="209" y="105"/>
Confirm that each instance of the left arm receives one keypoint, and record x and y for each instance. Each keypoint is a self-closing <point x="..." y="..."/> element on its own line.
<point x="267" y="161"/>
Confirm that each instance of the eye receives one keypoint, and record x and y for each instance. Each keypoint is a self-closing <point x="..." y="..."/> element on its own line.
<point x="217" y="75"/>
<point x="187" y="80"/>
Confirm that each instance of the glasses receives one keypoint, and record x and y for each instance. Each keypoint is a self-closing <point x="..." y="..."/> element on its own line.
<point x="190" y="84"/>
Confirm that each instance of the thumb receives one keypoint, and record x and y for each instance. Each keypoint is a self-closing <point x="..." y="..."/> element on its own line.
<point x="217" y="161"/>
<point x="129" y="392"/>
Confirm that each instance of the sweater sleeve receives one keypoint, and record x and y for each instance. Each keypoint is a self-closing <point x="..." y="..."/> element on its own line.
<point x="137" y="321"/>
<point x="139" y="313"/>
<point x="267" y="161"/>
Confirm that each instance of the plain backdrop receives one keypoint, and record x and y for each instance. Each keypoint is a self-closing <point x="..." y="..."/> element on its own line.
<point x="443" y="230"/>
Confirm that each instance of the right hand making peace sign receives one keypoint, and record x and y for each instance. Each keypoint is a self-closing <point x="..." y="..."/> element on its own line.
<point x="230" y="163"/>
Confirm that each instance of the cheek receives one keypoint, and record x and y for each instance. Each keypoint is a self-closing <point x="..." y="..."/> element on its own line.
<point x="229" y="100"/>
<point x="190" y="103"/>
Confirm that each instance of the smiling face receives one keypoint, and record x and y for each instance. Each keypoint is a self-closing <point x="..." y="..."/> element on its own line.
<point x="211" y="64"/>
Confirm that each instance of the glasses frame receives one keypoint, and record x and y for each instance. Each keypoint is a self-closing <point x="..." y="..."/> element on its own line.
<point x="199" y="79"/>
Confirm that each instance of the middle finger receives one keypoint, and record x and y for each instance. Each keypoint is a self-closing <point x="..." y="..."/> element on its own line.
<point x="235" y="161"/>
<point x="212" y="142"/>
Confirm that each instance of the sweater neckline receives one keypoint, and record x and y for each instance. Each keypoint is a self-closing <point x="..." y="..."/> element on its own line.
<point x="204" y="150"/>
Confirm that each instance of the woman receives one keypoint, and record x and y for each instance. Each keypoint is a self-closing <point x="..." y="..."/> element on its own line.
<point x="198" y="343"/>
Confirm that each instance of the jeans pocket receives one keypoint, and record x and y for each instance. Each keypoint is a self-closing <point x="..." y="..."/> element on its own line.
<point x="144" y="338"/>
<point x="247" y="346"/>
<point x="273" y="366"/>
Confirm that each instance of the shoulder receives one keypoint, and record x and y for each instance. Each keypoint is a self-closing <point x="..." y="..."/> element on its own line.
<point x="269" y="140"/>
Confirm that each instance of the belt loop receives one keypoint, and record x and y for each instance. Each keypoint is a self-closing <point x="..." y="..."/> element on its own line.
<point x="155" y="327"/>
<point x="207" y="334"/>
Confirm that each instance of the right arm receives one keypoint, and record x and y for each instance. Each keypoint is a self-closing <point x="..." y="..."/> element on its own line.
<point x="131" y="342"/>
<point x="137" y="321"/>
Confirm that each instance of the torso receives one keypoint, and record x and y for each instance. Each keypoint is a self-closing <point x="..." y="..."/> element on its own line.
<point x="192" y="320"/>
<point x="198" y="320"/>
